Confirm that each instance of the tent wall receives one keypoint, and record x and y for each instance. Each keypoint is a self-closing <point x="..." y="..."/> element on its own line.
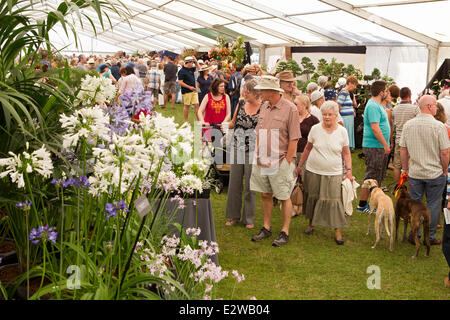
<point x="407" y="65"/>
<point x="444" y="53"/>
<point x="272" y="55"/>
<point x="357" y="59"/>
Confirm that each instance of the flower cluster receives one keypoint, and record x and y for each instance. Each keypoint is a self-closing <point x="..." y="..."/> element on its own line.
<point x="26" y="205"/>
<point x="38" y="161"/>
<point x="200" y="267"/>
<point x="219" y="54"/>
<point x="119" y="164"/>
<point x="81" y="182"/>
<point x="179" y="200"/>
<point x="154" y="149"/>
<point x="43" y="233"/>
<point x="135" y="101"/>
<point x="95" y="90"/>
<point x="197" y="167"/>
<point x="239" y="278"/>
<point x="209" y="271"/>
<point x="163" y="134"/>
<point x="190" y="183"/>
<point x="88" y="123"/>
<point x="113" y="208"/>
<point x="193" y="232"/>
<point x="119" y="119"/>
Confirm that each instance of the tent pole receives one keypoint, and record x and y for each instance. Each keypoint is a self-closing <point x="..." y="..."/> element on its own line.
<point x="432" y="61"/>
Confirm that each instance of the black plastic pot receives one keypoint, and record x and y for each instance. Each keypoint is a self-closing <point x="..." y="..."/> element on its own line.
<point x="9" y="257"/>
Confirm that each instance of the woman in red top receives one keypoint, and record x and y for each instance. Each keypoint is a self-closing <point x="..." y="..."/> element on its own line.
<point x="215" y="106"/>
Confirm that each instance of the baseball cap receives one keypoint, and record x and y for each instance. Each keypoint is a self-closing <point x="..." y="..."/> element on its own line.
<point x="329" y="94"/>
<point x="316" y="95"/>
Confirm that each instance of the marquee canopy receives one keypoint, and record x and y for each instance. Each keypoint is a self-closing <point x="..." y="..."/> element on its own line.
<point x="147" y="25"/>
<point x="177" y="24"/>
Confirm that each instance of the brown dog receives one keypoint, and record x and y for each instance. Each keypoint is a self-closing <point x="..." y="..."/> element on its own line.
<point x="380" y="202"/>
<point x="417" y="213"/>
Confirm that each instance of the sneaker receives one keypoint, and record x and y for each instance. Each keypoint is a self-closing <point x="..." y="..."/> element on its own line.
<point x="263" y="234"/>
<point x="365" y="209"/>
<point x="281" y="240"/>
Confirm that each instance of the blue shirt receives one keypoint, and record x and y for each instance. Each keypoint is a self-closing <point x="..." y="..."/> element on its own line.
<point x="188" y="77"/>
<point x="346" y="103"/>
<point x="375" y="113"/>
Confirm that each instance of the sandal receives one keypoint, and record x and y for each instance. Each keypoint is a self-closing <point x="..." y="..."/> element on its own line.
<point x="232" y="222"/>
<point x="249" y="226"/>
<point x="309" y="231"/>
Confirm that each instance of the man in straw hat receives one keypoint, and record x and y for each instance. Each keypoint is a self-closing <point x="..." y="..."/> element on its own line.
<point x="288" y="82"/>
<point x="277" y="134"/>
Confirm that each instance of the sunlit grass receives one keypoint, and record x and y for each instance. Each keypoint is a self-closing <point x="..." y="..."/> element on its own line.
<point x="314" y="267"/>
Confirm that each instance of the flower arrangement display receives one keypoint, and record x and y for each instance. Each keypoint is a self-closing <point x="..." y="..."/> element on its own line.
<point x="219" y="54"/>
<point x="110" y="155"/>
<point x="440" y="85"/>
<point x="229" y="54"/>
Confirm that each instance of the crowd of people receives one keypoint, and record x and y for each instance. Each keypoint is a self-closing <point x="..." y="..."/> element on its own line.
<point x="315" y="136"/>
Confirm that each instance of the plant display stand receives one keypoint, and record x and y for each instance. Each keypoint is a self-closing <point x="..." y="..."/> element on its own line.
<point x="197" y="214"/>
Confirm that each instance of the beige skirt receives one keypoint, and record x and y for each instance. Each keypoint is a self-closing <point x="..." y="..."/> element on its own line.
<point x="322" y="200"/>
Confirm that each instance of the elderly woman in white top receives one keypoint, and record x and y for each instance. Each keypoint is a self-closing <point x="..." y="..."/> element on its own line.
<point x="327" y="145"/>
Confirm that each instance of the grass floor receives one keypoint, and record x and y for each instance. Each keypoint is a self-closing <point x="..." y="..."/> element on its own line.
<point x="314" y="267"/>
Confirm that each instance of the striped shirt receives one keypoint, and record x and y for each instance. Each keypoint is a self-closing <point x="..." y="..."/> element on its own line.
<point x="424" y="137"/>
<point x="154" y="77"/>
<point x="401" y="113"/>
<point x="346" y="103"/>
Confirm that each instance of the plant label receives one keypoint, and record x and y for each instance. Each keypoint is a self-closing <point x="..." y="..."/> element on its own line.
<point x="142" y="206"/>
<point x="447" y="216"/>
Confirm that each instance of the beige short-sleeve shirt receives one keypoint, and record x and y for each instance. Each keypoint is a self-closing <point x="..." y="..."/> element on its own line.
<point x="424" y="137"/>
<point x="277" y="126"/>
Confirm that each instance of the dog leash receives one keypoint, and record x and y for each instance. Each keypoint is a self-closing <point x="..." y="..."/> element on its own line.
<point x="403" y="178"/>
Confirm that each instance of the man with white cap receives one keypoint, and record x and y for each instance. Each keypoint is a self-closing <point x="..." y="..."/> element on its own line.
<point x="186" y="79"/>
<point x="277" y="135"/>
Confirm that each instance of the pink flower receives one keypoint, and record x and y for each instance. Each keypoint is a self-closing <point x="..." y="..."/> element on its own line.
<point x="238" y="277"/>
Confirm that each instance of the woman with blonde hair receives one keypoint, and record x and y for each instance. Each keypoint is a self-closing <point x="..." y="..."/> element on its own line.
<point x="244" y="122"/>
<point x="346" y="108"/>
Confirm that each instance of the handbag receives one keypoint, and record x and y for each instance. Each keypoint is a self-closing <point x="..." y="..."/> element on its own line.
<point x="297" y="194"/>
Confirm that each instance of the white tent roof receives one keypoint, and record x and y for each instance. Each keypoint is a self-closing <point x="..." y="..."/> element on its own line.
<point x="406" y="39"/>
<point x="175" y="25"/>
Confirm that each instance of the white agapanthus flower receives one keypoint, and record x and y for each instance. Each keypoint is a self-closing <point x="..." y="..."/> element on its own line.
<point x="164" y="135"/>
<point x="119" y="164"/>
<point x="89" y="123"/>
<point x="190" y="183"/>
<point x="197" y="167"/>
<point x="95" y="90"/>
<point x="38" y="161"/>
<point x="168" y="181"/>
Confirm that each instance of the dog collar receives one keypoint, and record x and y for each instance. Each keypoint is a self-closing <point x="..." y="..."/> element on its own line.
<point x="371" y="188"/>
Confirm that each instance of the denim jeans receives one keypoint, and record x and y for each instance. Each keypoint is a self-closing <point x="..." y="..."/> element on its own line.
<point x="433" y="189"/>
